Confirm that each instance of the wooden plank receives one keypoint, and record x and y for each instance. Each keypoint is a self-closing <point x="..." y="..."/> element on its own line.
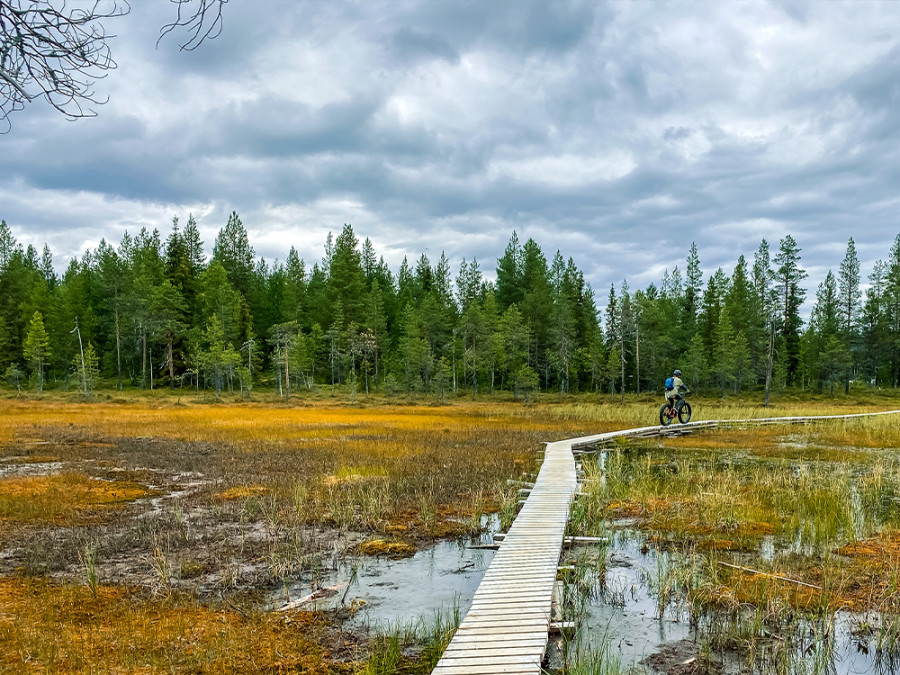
<point x="532" y="643"/>
<point x="520" y="660"/>
<point x="489" y="652"/>
<point x="502" y="669"/>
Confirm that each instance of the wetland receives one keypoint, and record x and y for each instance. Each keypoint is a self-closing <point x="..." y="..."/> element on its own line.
<point x="173" y="535"/>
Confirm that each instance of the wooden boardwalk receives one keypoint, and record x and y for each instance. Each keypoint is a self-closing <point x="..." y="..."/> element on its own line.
<point x="505" y="630"/>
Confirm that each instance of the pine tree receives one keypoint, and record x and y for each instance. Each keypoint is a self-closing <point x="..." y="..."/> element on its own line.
<point x="692" y="290"/>
<point x="829" y="353"/>
<point x="476" y="343"/>
<point x="7" y="245"/>
<point x="170" y="324"/>
<point x="874" y="329"/>
<point x="414" y="352"/>
<point x="283" y="337"/>
<point x="218" y="298"/>
<point x="790" y="297"/>
<point x="294" y="293"/>
<point x="563" y="322"/>
<point x="337" y="338"/>
<point x="13" y="376"/>
<point x="47" y="268"/>
<point x="112" y="282"/>
<point x="369" y="260"/>
<point x="194" y="246"/>
<point x="612" y="326"/>
<point x="86" y="369"/>
<point x="850" y="299"/>
<point x="848" y="288"/>
<point x="375" y="322"/>
<point x="493" y="339"/>
<point x="469" y="285"/>
<point x="219" y="360"/>
<point x="36" y="348"/>
<point x="515" y="337"/>
<point x="711" y="306"/>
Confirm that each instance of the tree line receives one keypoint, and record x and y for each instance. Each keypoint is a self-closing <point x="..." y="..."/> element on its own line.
<point x="150" y="313"/>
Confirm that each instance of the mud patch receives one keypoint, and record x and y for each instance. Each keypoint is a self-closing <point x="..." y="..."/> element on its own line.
<point x="680" y="658"/>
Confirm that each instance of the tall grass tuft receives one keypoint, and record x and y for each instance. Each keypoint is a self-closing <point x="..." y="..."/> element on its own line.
<point x="88" y="555"/>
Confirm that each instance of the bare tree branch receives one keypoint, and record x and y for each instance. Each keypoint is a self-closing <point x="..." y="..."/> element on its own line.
<point x="51" y="51"/>
<point x="204" y="22"/>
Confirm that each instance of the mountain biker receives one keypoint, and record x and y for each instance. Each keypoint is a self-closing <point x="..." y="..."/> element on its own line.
<point x="678" y="390"/>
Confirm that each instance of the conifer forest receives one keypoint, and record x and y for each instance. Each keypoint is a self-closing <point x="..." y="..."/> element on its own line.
<point x="153" y="311"/>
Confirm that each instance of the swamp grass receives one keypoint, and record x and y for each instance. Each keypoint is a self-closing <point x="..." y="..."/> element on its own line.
<point x="162" y="513"/>
<point x="211" y="504"/>
<point x="765" y="534"/>
<point x="64" y="628"/>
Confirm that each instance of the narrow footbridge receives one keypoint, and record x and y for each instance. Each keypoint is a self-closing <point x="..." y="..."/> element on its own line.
<point x="505" y="630"/>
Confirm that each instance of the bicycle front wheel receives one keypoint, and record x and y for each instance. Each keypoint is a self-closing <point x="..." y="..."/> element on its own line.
<point x="684" y="412"/>
<point x="664" y="418"/>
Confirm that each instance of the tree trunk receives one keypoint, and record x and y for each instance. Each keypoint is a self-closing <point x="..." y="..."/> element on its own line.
<point x="287" y="375"/>
<point x="454" y="366"/>
<point x="637" y="358"/>
<point x="143" y="358"/>
<point x="280" y="387"/>
<point x="770" y="362"/>
<point x="171" y="365"/>
<point x="332" y="366"/>
<point x="118" y="350"/>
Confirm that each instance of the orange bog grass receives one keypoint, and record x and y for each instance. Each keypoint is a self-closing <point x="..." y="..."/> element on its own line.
<point x="67" y="497"/>
<point x="50" y="627"/>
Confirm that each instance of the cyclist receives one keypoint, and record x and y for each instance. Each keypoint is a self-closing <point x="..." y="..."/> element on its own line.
<point x="679" y="388"/>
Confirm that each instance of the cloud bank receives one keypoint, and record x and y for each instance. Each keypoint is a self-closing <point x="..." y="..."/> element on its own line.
<point x="616" y="132"/>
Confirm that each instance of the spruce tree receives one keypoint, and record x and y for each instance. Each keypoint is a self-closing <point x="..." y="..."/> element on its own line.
<point x="536" y="304"/>
<point x="510" y="287"/>
<point x="233" y="251"/>
<point x="294" y="292"/>
<point x="346" y="277"/>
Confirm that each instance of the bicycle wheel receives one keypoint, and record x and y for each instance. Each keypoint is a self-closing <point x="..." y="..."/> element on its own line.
<point x="684" y="412"/>
<point x="664" y="418"/>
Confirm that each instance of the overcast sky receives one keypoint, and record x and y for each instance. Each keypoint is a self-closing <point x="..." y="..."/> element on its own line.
<point x="616" y="132"/>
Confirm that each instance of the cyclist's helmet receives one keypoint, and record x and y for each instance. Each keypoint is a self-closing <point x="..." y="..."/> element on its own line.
<point x="677" y="373"/>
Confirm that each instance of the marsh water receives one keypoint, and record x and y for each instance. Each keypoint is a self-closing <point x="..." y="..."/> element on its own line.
<point x="629" y="606"/>
<point x="623" y="616"/>
<point x="635" y="612"/>
<point x="381" y="593"/>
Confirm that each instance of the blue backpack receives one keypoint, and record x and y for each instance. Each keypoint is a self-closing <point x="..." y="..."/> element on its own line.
<point x="670" y="383"/>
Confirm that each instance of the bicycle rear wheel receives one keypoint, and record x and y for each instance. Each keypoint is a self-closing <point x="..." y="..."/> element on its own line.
<point x="684" y="412"/>
<point x="664" y="418"/>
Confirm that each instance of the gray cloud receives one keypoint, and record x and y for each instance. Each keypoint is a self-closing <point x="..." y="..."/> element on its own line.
<point x="616" y="132"/>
